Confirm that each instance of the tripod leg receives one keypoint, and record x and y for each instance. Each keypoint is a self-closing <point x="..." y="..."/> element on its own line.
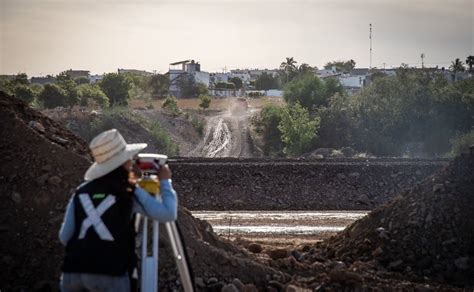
<point x="180" y="256"/>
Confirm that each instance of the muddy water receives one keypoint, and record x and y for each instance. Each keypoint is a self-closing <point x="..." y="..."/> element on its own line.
<point x="280" y="226"/>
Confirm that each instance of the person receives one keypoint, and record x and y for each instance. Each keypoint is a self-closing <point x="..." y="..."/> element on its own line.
<point x="98" y="229"/>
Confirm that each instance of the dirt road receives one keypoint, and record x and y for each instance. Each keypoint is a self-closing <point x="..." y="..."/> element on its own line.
<point x="226" y="135"/>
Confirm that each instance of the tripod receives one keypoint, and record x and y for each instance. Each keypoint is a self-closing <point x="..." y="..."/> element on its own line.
<point x="148" y="163"/>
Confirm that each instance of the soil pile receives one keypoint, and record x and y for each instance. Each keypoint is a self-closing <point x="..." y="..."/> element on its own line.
<point x="427" y="231"/>
<point x="421" y="241"/>
<point x="42" y="162"/>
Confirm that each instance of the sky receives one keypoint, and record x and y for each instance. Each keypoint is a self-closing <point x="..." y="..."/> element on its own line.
<point x="42" y="37"/>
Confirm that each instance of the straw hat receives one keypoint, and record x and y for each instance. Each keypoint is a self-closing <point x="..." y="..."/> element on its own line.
<point x="110" y="150"/>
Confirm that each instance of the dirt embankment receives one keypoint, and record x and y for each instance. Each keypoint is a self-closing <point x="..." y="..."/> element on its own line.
<point x="259" y="184"/>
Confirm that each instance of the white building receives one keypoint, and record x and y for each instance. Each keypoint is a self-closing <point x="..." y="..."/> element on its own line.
<point x="186" y="69"/>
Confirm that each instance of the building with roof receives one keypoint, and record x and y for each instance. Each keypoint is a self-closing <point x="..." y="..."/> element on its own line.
<point x="181" y="70"/>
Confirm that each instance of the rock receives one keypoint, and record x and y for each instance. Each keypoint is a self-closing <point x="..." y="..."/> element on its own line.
<point x="381" y="233"/>
<point x="212" y="280"/>
<point x="293" y="288"/>
<point x="395" y="264"/>
<point x="354" y="175"/>
<point x="297" y="255"/>
<point x="41" y="180"/>
<point x="338" y="265"/>
<point x="377" y="252"/>
<point x="318" y="156"/>
<point x="278" y="253"/>
<point x="277" y="285"/>
<point x="54" y="180"/>
<point x="16" y="197"/>
<point x="337" y="154"/>
<point x="341" y="176"/>
<point x="216" y="287"/>
<point x="255" y="248"/>
<point x="47" y="167"/>
<point x="462" y="263"/>
<point x="229" y="288"/>
<point x="237" y="283"/>
<point x="322" y="151"/>
<point x="249" y="288"/>
<point x="348" y="151"/>
<point x="437" y="188"/>
<point x="59" y="140"/>
<point x="199" y="282"/>
<point x="37" y="126"/>
<point x="345" y="278"/>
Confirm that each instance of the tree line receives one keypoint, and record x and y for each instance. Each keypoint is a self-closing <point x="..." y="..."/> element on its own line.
<point x="113" y="90"/>
<point x="417" y="110"/>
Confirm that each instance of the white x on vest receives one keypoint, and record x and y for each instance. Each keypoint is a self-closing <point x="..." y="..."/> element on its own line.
<point x="93" y="216"/>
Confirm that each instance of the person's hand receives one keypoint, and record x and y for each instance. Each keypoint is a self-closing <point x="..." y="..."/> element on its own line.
<point x="164" y="172"/>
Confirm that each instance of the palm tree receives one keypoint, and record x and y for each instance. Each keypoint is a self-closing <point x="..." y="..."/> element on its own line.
<point x="305" y="68"/>
<point x="470" y="62"/>
<point x="288" y="67"/>
<point x="457" y="66"/>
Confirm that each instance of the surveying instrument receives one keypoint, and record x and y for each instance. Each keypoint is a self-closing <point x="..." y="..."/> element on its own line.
<point x="149" y="165"/>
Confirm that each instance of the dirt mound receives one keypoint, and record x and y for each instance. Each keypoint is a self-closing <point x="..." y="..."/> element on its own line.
<point x="426" y="233"/>
<point x="41" y="164"/>
<point x="214" y="262"/>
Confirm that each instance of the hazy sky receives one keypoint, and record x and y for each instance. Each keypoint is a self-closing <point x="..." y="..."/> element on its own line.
<point x="46" y="37"/>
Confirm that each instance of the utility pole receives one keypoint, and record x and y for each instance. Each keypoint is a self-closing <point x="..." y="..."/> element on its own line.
<point x="370" y="39"/>
<point x="422" y="60"/>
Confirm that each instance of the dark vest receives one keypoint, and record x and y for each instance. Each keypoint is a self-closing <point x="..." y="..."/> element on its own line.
<point x="91" y="254"/>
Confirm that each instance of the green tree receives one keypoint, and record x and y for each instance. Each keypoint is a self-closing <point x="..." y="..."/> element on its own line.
<point x="341" y="66"/>
<point x="288" y="69"/>
<point x="225" y="85"/>
<point x="116" y="87"/>
<point x="91" y="94"/>
<point x="305" y="68"/>
<point x="265" y="82"/>
<point x="21" y="78"/>
<point x="266" y="125"/>
<point x="470" y="62"/>
<point x="160" y="85"/>
<point x="457" y="66"/>
<point x="297" y="129"/>
<point x="82" y="80"/>
<point x="25" y="93"/>
<point x="310" y="91"/>
<point x="336" y="123"/>
<point x="53" y="96"/>
<point x="171" y="103"/>
<point x="237" y="82"/>
<point x="201" y="89"/>
<point x="205" y="101"/>
<point x="65" y="81"/>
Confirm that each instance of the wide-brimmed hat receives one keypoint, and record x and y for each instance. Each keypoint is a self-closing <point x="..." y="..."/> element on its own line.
<point x="110" y="150"/>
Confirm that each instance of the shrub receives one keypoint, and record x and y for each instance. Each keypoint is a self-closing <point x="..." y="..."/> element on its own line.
<point x="171" y="103"/>
<point x="205" y="101"/>
<point x="297" y="129"/>
<point x="92" y="95"/>
<point x="53" y="96"/>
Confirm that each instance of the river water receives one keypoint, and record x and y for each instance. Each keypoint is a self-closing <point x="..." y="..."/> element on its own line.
<point x="279" y="225"/>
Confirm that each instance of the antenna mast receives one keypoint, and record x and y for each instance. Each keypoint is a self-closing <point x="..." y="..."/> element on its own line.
<point x="370" y="38"/>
